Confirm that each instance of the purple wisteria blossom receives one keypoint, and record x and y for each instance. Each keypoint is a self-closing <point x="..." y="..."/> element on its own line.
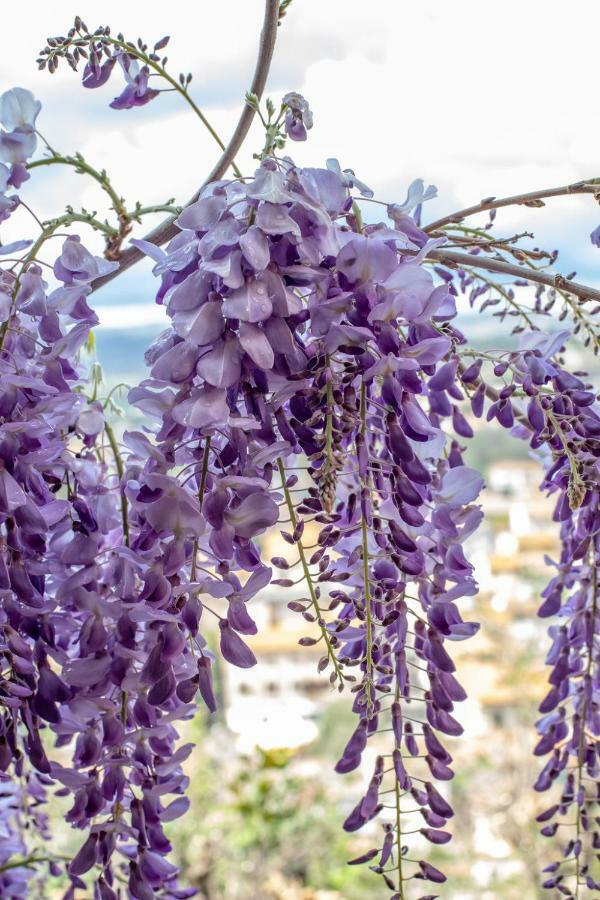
<point x="137" y="91"/>
<point x="298" y="117"/>
<point x="241" y="385"/>
<point x="561" y="420"/>
<point x="299" y="338"/>
<point x="18" y="113"/>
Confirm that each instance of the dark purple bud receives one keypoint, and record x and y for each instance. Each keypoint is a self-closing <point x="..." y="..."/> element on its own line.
<point x="437" y="802"/>
<point x="478" y="401"/>
<point x="430" y="873"/>
<point x="471" y="374"/>
<point x="365" y="857"/>
<point x="535" y="414"/>
<point x="435" y="836"/>
<point x="205" y="683"/>
<point x="186" y="690"/>
<point x="85" y="857"/>
<point x="163" y="690"/>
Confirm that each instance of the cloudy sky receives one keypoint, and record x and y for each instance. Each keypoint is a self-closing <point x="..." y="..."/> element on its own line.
<point x="476" y="98"/>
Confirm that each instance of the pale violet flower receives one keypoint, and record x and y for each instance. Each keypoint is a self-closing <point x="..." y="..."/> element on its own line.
<point x="18" y="109"/>
<point x="298" y="118"/>
<point x="417" y="193"/>
<point x="460" y="485"/>
<point x="349" y="178"/>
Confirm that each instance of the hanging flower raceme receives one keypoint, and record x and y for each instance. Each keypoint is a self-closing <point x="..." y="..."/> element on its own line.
<point x="277" y="303"/>
<point x="563" y="412"/>
<point x="76" y="657"/>
<point x="299" y="339"/>
<point x="395" y="517"/>
<point x="53" y="494"/>
<point x="23" y="833"/>
<point x="557" y="412"/>
<point x="570" y="726"/>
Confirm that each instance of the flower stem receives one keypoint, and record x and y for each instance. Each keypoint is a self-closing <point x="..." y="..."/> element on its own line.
<point x="132" y="50"/>
<point x="30" y="861"/>
<point x="365" y="560"/>
<point x="398" y="821"/>
<point x="307" y="575"/>
<point x="201" y="489"/>
<point x="47" y="233"/>
<point x="581" y="748"/>
<point x="83" y="167"/>
<point x="119" y="464"/>
<point x="166" y="230"/>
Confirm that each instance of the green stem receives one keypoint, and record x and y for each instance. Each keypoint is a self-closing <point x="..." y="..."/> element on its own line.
<point x="47" y="233"/>
<point x="30" y="862"/>
<point x="398" y="821"/>
<point x="120" y="471"/>
<point x="504" y="293"/>
<point x="307" y="575"/>
<point x="140" y="211"/>
<point x="329" y="423"/>
<point x="365" y="560"/>
<point x="581" y="749"/>
<point x="201" y="489"/>
<point x="82" y="166"/>
<point x="358" y="216"/>
<point x="87" y="219"/>
<point x="117" y="387"/>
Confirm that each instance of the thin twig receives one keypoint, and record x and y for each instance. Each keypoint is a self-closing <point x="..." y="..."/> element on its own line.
<point x="167" y="229"/>
<point x="533" y="198"/>
<point x="477" y="261"/>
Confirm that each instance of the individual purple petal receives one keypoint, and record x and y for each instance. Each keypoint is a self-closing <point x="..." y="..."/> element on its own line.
<point x="11" y="494"/>
<point x="366" y="259"/>
<point x="177" y="364"/>
<point x="203" y="214"/>
<point x="18" y="108"/>
<point x="255" y="247"/>
<point x="256" y="344"/>
<point x="17" y="146"/>
<point x="274" y="218"/>
<point x="221" y="366"/>
<point x="460" y="485"/>
<point x="249" y="303"/>
<point x="85" y="857"/>
<point x="233" y="648"/>
<point x="96" y="74"/>
<point x="206" y="407"/>
<point x="430" y="873"/>
<point x="255" y="513"/>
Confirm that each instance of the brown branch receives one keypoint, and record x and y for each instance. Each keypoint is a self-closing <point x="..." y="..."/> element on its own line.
<point x="478" y="261"/>
<point x="534" y="198"/>
<point x="167" y="229"/>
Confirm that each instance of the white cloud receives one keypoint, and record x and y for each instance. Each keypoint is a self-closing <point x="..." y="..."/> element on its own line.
<point x="479" y="99"/>
<point x="127" y="316"/>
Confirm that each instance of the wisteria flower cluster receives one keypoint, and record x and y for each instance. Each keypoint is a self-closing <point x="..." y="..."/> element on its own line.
<point x="299" y="338"/>
<point x="18" y="113"/>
